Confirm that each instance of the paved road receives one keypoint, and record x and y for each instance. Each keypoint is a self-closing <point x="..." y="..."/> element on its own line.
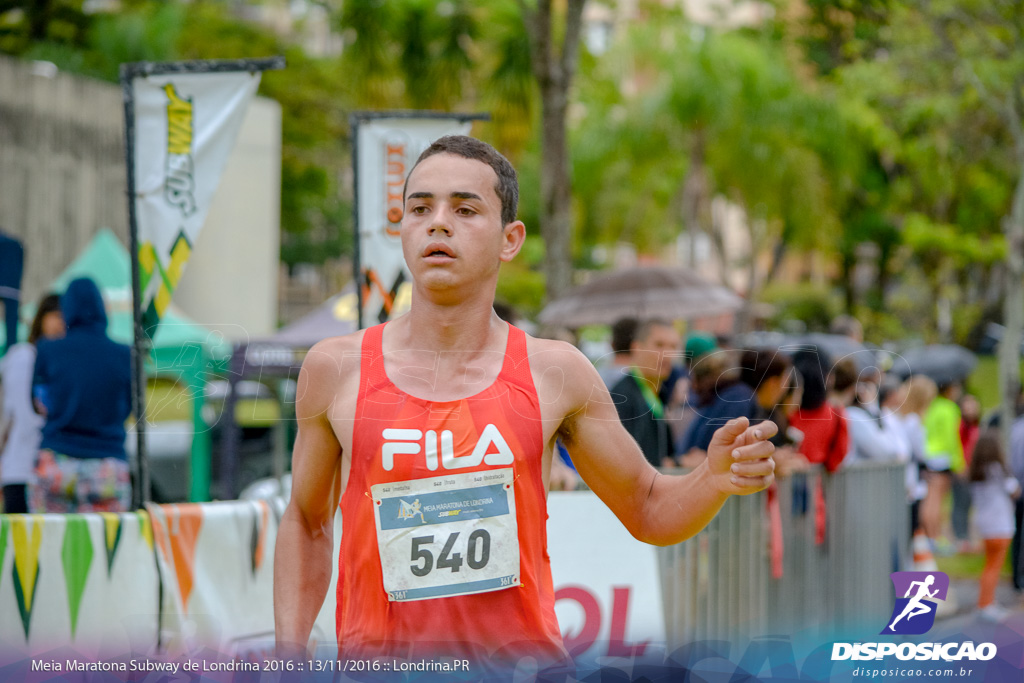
<point x="966" y="615"/>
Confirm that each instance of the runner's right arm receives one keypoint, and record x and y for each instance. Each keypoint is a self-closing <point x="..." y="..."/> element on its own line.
<point x="305" y="542"/>
<point x="654" y="508"/>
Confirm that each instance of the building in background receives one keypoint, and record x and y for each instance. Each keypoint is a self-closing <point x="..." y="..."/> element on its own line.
<point x="63" y="169"/>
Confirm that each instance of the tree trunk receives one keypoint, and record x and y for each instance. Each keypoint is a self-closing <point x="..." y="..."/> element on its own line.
<point x="884" y="276"/>
<point x="745" y="316"/>
<point x="847" y="263"/>
<point x="695" y="195"/>
<point x="778" y="255"/>
<point x="555" y="216"/>
<point x="554" y="73"/>
<point x="1013" y="311"/>
<point x="717" y="235"/>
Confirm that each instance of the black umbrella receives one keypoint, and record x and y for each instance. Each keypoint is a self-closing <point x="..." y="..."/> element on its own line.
<point x="943" y="363"/>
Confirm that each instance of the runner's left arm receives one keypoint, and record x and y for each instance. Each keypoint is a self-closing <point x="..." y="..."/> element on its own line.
<point x="656" y="508"/>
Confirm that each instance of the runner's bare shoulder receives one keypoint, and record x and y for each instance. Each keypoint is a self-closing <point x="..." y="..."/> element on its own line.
<point x="560" y="368"/>
<point x="330" y="370"/>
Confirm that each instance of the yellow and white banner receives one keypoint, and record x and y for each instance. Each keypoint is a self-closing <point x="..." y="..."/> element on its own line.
<point x="387" y="149"/>
<point x="85" y="581"/>
<point x="185" y="127"/>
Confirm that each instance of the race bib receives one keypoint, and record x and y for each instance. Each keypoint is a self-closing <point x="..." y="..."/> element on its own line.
<point x="450" y="535"/>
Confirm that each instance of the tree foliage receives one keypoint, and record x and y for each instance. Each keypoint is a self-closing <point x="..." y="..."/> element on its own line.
<point x="836" y="124"/>
<point x="675" y="116"/>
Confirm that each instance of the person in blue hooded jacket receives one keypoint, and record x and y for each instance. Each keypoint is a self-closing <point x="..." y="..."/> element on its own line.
<point x="82" y="384"/>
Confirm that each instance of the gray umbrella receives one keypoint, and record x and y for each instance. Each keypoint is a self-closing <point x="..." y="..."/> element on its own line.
<point x="944" y="363"/>
<point x="645" y="292"/>
<point x="839" y="347"/>
<point x="832" y="347"/>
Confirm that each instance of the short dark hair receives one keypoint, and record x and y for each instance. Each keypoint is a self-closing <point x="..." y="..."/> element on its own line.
<point x="48" y="304"/>
<point x="844" y="374"/>
<point x="643" y="329"/>
<point x="623" y="332"/>
<point x="712" y="373"/>
<point x="507" y="187"/>
<point x="759" y="365"/>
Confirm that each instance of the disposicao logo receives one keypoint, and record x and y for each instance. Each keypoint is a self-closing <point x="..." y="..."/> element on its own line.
<point x="914" y="613"/>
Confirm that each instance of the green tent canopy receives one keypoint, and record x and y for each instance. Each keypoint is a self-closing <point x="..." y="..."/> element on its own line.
<point x="108" y="263"/>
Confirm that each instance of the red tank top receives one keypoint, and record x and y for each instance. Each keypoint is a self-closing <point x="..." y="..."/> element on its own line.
<point x="461" y="447"/>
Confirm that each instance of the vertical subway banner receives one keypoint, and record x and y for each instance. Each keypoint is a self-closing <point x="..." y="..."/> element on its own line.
<point x="185" y="127"/>
<point x="387" y="150"/>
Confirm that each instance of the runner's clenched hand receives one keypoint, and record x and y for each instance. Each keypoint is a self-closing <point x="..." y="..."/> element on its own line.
<point x="740" y="456"/>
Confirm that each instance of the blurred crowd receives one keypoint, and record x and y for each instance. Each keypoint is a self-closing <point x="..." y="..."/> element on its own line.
<point x="833" y="410"/>
<point x="66" y="398"/>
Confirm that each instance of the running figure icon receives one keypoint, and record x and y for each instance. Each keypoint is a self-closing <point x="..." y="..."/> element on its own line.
<point x="407" y="511"/>
<point x="915" y="606"/>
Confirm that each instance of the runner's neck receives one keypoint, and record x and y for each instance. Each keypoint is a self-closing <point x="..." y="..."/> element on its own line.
<point x="471" y="327"/>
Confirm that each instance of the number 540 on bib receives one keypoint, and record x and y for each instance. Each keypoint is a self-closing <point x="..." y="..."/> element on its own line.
<point x="446" y="536"/>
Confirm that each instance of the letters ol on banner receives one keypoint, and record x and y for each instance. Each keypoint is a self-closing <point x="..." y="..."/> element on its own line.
<point x="387" y="146"/>
<point x="186" y="123"/>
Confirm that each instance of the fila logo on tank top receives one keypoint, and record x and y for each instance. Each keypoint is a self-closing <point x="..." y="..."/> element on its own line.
<point x="407" y="442"/>
<point x="444" y="513"/>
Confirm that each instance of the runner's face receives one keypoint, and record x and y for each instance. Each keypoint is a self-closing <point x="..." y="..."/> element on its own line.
<point x="451" y="229"/>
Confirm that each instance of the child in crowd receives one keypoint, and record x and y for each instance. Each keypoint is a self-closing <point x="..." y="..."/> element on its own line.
<point x="992" y="492"/>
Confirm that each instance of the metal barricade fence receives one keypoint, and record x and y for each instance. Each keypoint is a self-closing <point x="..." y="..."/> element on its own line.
<point x="720" y="584"/>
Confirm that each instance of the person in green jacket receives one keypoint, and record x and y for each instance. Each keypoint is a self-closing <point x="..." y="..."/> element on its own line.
<point x="944" y="454"/>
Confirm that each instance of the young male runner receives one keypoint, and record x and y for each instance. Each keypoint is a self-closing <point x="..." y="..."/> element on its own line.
<point x="436" y="432"/>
